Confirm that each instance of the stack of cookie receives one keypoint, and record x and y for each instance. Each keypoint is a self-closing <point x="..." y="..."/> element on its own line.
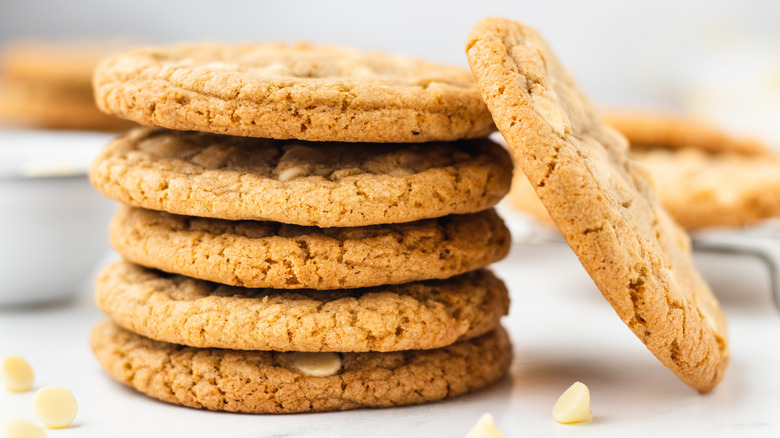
<point x="325" y="254"/>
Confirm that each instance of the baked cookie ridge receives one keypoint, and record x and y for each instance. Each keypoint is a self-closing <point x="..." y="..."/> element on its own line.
<point x="602" y="202"/>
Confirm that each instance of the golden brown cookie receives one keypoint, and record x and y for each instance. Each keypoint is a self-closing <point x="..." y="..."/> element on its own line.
<point x="301" y="183"/>
<point x="182" y="310"/>
<point x="270" y="382"/>
<point x="303" y="92"/>
<point x="602" y="202"/>
<point x="703" y="190"/>
<point x="269" y="254"/>
<point x="698" y="189"/>
<point x="646" y="129"/>
<point x="48" y="84"/>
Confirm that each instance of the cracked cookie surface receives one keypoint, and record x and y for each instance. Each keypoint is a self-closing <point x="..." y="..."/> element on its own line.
<point x="292" y="92"/>
<point x="419" y="315"/>
<point x="301" y="183"/>
<point x="269" y="254"/>
<point x="263" y="382"/>
<point x="602" y="202"/>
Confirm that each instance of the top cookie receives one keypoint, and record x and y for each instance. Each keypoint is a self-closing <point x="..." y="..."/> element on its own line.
<point x="659" y="130"/>
<point x="292" y="92"/>
<point x="600" y="200"/>
<point x="312" y="184"/>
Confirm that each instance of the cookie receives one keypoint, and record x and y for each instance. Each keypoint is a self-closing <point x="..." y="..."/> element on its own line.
<point x="182" y="310"/>
<point x="269" y="382"/>
<point x="34" y="106"/>
<point x="602" y="202"/>
<point x="702" y="190"/>
<point x="269" y="254"/>
<point x="698" y="189"/>
<point x="303" y="92"/>
<point x="48" y="84"/>
<point x="645" y="129"/>
<point x="301" y="183"/>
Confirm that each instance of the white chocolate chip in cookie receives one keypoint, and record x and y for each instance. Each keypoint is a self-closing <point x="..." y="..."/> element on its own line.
<point x="18" y="428"/>
<point x="315" y="364"/>
<point x="573" y="406"/>
<point x="55" y="406"/>
<point x="16" y="373"/>
<point x="485" y="428"/>
<point x="291" y="173"/>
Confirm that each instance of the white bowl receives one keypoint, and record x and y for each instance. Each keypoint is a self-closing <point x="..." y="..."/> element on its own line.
<point x="53" y="224"/>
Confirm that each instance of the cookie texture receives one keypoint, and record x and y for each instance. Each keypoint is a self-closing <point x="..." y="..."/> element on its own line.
<point x="269" y="254"/>
<point x="182" y="310"/>
<point x="645" y="129"/>
<point x="263" y="382"/>
<point x="301" y="183"/>
<point x="602" y="202"/>
<point x="303" y="92"/>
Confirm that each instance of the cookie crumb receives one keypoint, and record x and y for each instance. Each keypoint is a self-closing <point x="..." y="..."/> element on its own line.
<point x="573" y="406"/>
<point x="55" y="406"/>
<point x="17" y="374"/>
<point x="19" y="428"/>
<point x="485" y="428"/>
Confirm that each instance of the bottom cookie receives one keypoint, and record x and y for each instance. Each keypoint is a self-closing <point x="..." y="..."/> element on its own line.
<point x="271" y="382"/>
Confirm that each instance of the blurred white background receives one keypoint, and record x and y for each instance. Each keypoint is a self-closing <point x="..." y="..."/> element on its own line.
<point x="665" y="54"/>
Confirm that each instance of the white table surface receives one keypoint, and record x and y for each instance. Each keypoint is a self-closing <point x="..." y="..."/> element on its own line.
<point x="562" y="329"/>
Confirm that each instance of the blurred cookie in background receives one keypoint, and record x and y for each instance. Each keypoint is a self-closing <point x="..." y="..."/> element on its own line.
<point x="48" y="84"/>
<point x="704" y="176"/>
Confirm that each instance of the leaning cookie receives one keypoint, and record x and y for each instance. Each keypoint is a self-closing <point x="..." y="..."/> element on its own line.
<point x="302" y="183"/>
<point x="420" y="315"/>
<point x="652" y="130"/>
<point x="272" y="382"/>
<point x="602" y="202"/>
<point x="269" y="254"/>
<point x="302" y="92"/>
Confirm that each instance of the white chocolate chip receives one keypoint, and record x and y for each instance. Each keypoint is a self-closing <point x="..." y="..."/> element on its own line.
<point x="18" y="428"/>
<point x="573" y="406"/>
<point x="55" y="406"/>
<point x="17" y="374"/>
<point x="291" y="173"/>
<point x="485" y="428"/>
<point x="316" y="364"/>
